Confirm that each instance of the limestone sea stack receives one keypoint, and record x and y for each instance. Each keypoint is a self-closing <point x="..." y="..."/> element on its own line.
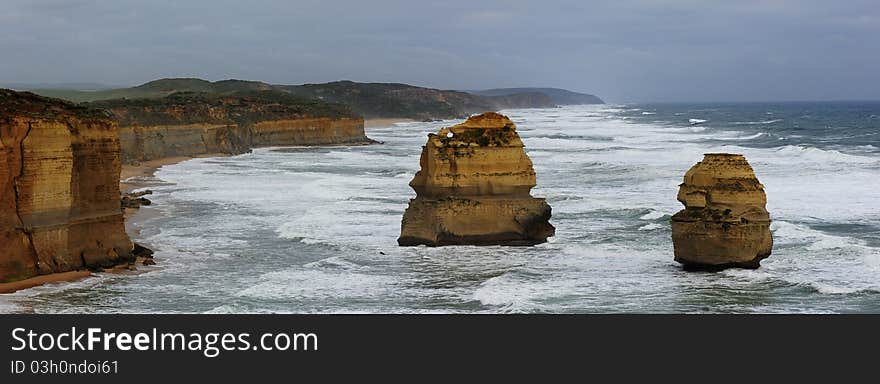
<point x="59" y="188"/>
<point x="473" y="188"/>
<point x="725" y="222"/>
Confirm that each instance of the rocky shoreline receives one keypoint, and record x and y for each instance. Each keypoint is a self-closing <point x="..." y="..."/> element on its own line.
<point x="473" y="187"/>
<point x="68" y="188"/>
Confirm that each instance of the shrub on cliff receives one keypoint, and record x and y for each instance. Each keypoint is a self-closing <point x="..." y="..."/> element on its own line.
<point x="242" y="108"/>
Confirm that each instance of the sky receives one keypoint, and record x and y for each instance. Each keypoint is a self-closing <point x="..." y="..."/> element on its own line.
<point x="622" y="51"/>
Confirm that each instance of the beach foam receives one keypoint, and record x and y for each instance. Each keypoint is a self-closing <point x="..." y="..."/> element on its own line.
<point x="314" y="229"/>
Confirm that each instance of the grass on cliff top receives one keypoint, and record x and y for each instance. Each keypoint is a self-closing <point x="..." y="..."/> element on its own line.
<point x="239" y="107"/>
<point x="157" y="89"/>
<point x="367" y="99"/>
<point x="17" y="103"/>
<point x="374" y="100"/>
<point x="371" y="100"/>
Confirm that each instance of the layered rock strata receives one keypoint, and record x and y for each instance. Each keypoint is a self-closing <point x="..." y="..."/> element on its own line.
<point x="725" y="222"/>
<point x="474" y="188"/>
<point x="190" y="123"/>
<point x="59" y="188"/>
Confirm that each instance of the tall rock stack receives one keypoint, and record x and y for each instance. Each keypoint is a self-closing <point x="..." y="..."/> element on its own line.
<point x="59" y="188"/>
<point x="725" y="222"/>
<point x="473" y="188"/>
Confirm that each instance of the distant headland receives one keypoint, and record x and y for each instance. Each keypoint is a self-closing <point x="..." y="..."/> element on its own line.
<point x="370" y="100"/>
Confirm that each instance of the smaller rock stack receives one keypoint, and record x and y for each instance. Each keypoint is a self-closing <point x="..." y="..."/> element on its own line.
<point x="473" y="188"/>
<point x="725" y="222"/>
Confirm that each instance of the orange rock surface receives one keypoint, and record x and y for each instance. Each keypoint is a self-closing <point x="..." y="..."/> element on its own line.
<point x="725" y="222"/>
<point x="59" y="188"/>
<point x="192" y="124"/>
<point x="473" y="188"/>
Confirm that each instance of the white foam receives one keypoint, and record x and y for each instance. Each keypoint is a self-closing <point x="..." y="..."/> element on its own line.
<point x="829" y="289"/>
<point x="813" y="240"/>
<point x="653" y="215"/>
<point x="318" y="283"/>
<point x="763" y="122"/>
<point x="750" y="137"/>
<point x="816" y="155"/>
<point x="650" y="227"/>
<point x="602" y="175"/>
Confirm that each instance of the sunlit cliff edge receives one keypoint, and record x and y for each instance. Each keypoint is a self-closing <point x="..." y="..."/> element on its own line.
<point x="59" y="188"/>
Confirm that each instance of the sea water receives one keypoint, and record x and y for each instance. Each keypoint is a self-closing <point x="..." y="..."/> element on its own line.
<point x="313" y="230"/>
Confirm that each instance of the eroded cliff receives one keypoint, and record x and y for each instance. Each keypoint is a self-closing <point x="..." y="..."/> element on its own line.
<point x="725" y="222"/>
<point x="473" y="188"/>
<point x="59" y="188"/>
<point x="193" y="123"/>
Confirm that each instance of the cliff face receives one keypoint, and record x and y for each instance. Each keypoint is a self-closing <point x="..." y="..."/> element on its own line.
<point x="473" y="188"/>
<point x="310" y="131"/>
<point x="188" y="124"/>
<point x="59" y="188"/>
<point x="163" y="141"/>
<point x="725" y="222"/>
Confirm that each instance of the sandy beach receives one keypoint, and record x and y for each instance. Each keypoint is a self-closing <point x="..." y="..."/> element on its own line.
<point x="131" y="178"/>
<point x="43" y="279"/>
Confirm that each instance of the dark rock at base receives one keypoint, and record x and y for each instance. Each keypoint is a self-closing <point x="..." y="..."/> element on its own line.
<point x="142" y="251"/>
<point x="135" y="199"/>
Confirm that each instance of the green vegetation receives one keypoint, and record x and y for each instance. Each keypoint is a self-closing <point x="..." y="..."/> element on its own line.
<point x="371" y="100"/>
<point x="156" y="89"/>
<point x="374" y="100"/>
<point x="15" y="103"/>
<point x="558" y="96"/>
<point x="243" y="107"/>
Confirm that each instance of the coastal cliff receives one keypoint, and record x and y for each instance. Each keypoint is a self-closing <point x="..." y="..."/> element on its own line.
<point x="370" y="100"/>
<point x="725" y="222"/>
<point x="59" y="188"/>
<point x="473" y="188"/>
<point x="197" y="123"/>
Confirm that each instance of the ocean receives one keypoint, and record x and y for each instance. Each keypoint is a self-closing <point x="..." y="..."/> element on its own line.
<point x="313" y="230"/>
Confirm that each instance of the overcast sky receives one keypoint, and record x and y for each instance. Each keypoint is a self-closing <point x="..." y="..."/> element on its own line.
<point x="623" y="51"/>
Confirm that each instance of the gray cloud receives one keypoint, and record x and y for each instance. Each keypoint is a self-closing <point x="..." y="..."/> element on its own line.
<point x="636" y="50"/>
